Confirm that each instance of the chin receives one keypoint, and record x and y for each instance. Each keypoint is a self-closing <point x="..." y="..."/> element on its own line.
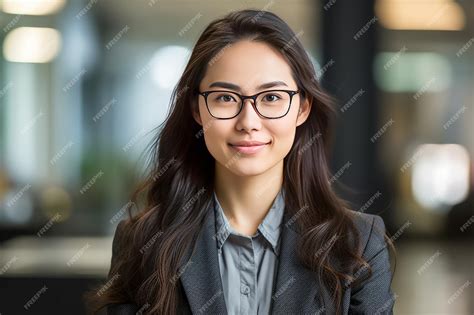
<point x="240" y="169"/>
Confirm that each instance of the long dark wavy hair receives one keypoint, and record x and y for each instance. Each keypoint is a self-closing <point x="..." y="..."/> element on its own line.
<point x="182" y="168"/>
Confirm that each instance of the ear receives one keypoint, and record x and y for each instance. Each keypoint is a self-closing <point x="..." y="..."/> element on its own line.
<point x="195" y="112"/>
<point x="303" y="111"/>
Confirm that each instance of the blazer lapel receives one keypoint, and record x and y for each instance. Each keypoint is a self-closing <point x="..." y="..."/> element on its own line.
<point x="296" y="290"/>
<point x="201" y="276"/>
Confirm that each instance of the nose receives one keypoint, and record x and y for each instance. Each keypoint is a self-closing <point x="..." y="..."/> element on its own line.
<point x="248" y="117"/>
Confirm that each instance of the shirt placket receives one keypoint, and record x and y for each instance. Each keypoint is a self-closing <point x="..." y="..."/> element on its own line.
<point x="247" y="277"/>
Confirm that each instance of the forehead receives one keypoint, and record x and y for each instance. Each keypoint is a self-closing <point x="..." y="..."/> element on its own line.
<point x="248" y="64"/>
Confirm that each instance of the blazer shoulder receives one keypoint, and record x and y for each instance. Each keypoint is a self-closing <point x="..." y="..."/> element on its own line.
<point x="373" y="295"/>
<point x="116" y="241"/>
<point x="117" y="244"/>
<point x="120" y="240"/>
<point x="122" y="309"/>
<point x="371" y="229"/>
<point x="119" y="230"/>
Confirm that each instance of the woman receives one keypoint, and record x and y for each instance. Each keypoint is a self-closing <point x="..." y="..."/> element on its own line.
<point x="240" y="216"/>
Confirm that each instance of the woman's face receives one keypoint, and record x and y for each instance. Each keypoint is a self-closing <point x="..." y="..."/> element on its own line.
<point x="248" y="65"/>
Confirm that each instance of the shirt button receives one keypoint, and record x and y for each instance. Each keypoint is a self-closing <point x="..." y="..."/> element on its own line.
<point x="244" y="289"/>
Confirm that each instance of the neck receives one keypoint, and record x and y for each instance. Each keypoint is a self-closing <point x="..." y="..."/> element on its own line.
<point x="246" y="200"/>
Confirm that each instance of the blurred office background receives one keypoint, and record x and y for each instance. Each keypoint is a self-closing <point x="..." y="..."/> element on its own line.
<point x="83" y="84"/>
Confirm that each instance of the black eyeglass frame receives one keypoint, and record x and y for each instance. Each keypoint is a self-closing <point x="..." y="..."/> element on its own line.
<point x="252" y="97"/>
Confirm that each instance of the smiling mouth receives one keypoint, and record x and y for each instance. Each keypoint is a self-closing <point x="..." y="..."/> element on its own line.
<point x="249" y="149"/>
<point x="249" y="143"/>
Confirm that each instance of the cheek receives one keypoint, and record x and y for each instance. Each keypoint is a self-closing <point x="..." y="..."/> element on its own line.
<point x="215" y="137"/>
<point x="283" y="137"/>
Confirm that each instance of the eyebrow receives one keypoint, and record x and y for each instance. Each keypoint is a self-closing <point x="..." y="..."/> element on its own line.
<point x="235" y="87"/>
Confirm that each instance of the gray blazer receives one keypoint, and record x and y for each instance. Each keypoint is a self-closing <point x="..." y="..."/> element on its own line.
<point x="296" y="290"/>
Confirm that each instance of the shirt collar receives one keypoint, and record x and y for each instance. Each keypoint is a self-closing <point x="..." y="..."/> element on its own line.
<point x="270" y="227"/>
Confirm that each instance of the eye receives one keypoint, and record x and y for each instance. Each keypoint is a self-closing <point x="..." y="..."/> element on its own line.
<point x="269" y="98"/>
<point x="225" y="98"/>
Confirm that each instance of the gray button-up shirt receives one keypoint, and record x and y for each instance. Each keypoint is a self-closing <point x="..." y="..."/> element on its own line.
<point x="248" y="264"/>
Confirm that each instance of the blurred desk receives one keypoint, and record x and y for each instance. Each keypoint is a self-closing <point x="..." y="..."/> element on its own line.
<point x="434" y="277"/>
<point x="58" y="270"/>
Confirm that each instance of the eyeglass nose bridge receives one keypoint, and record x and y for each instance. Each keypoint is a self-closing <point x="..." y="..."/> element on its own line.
<point x="254" y="103"/>
<point x="252" y="97"/>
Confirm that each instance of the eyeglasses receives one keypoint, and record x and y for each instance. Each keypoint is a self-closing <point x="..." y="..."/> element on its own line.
<point x="271" y="104"/>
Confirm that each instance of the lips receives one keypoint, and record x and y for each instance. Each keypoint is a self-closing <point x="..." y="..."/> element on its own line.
<point x="248" y="147"/>
<point x="248" y="143"/>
